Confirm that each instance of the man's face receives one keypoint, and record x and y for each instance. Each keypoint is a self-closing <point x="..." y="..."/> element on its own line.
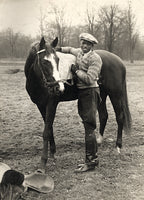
<point x="85" y="46"/>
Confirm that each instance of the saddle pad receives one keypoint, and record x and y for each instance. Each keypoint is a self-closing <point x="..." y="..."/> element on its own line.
<point x="65" y="62"/>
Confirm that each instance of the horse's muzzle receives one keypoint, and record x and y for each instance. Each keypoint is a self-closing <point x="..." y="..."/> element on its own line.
<point x="55" y="90"/>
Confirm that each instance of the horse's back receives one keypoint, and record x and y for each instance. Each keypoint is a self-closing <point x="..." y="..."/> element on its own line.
<point x="65" y="62"/>
<point x="113" y="71"/>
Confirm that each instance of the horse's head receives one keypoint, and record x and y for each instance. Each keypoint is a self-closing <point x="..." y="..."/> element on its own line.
<point x="46" y="64"/>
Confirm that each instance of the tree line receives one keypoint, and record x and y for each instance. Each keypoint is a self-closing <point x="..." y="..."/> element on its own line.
<point x="114" y="28"/>
<point x="14" y="45"/>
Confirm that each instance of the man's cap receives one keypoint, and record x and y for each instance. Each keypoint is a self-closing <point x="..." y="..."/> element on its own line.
<point x="88" y="37"/>
<point x="3" y="169"/>
<point x="12" y="177"/>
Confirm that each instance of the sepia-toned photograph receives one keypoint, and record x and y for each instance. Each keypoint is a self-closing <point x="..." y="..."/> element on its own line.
<point x="71" y="100"/>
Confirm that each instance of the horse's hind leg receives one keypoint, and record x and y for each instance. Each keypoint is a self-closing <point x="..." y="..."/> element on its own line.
<point x="117" y="105"/>
<point x="103" y="116"/>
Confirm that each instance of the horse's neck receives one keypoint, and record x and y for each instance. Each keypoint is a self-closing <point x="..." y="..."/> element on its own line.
<point x="30" y="60"/>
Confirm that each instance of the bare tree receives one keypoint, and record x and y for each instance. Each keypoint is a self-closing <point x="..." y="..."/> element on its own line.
<point x="11" y="38"/>
<point x="91" y="18"/>
<point x="111" y="21"/>
<point x="61" y="23"/>
<point x="42" y="21"/>
<point x="132" y="36"/>
<point x="55" y="23"/>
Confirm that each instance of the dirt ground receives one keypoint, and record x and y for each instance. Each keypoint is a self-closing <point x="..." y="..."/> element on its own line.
<point x="118" y="177"/>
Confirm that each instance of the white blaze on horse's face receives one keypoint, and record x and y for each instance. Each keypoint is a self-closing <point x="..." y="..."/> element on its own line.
<point x="56" y="75"/>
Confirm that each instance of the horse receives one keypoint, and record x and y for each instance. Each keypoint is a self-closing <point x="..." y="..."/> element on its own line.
<point x="46" y="90"/>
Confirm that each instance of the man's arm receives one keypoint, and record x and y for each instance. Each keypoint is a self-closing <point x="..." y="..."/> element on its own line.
<point x="92" y="74"/>
<point x="71" y="50"/>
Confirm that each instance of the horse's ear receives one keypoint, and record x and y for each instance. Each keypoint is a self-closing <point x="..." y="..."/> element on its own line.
<point x="54" y="42"/>
<point x="42" y="43"/>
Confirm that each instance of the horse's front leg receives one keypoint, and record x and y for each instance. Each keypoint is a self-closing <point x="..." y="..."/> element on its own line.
<point x="48" y="136"/>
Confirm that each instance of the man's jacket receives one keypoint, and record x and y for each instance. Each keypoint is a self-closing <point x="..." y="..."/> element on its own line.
<point x="89" y="67"/>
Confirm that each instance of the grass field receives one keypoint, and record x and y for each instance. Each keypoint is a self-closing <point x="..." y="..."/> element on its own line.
<point x="118" y="177"/>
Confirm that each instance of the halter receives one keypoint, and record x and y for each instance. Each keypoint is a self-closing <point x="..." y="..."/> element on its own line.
<point x="46" y="83"/>
<point x="41" y="51"/>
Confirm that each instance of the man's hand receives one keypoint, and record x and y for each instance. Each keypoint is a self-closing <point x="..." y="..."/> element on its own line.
<point x="74" y="68"/>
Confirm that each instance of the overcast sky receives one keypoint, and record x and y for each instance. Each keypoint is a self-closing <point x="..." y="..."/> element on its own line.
<point x="22" y="15"/>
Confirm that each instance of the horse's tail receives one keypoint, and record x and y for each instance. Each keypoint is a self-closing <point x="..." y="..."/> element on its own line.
<point x="126" y="111"/>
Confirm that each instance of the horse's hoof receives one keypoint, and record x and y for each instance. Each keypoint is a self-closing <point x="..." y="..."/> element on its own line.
<point x="118" y="150"/>
<point x="52" y="156"/>
<point x="99" y="139"/>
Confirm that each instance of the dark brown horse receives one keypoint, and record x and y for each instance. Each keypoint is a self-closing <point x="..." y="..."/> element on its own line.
<point x="46" y="90"/>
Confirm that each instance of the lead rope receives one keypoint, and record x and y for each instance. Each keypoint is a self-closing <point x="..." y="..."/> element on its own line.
<point x="45" y="83"/>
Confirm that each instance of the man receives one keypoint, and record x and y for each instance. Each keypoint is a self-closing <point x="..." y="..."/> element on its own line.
<point x="86" y="70"/>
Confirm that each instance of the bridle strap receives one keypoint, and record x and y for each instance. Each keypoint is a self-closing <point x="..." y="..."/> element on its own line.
<point x="38" y="52"/>
<point x="46" y="83"/>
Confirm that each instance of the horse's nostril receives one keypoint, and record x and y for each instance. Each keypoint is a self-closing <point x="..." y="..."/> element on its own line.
<point x="57" y="88"/>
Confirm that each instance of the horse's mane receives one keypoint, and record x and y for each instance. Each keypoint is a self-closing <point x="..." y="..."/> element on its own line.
<point x="34" y="46"/>
<point x="31" y="57"/>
